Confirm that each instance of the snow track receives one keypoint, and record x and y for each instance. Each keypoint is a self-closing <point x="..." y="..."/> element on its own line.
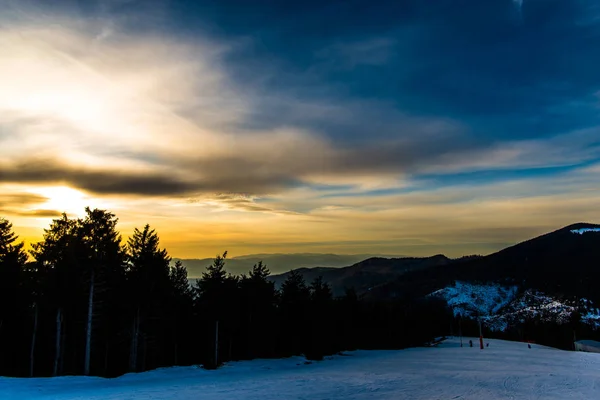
<point x="505" y="370"/>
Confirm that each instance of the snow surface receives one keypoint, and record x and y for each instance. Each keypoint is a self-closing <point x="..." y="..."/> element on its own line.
<point x="584" y="230"/>
<point x="501" y="307"/>
<point x="468" y="299"/>
<point x="504" y="370"/>
<point x="531" y="304"/>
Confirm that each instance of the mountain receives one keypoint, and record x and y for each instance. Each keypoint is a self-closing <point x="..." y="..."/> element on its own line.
<point x="368" y="274"/>
<point x="553" y="278"/>
<point x="277" y="263"/>
<point x="547" y="278"/>
<point x="504" y="306"/>
<point x="563" y="262"/>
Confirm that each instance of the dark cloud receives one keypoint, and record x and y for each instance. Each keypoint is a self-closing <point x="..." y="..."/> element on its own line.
<point x="243" y="173"/>
<point x="96" y="181"/>
<point x="37" y="213"/>
<point x="275" y="167"/>
<point x="231" y="175"/>
<point x="20" y="199"/>
<point x="506" y="71"/>
<point x="16" y="204"/>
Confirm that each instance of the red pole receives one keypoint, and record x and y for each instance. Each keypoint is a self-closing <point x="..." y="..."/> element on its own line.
<point x="480" y="335"/>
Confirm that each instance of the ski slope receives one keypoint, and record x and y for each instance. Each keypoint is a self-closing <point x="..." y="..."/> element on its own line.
<point x="505" y="370"/>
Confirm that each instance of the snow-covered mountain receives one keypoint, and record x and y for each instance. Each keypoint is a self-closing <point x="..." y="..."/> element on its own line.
<point x="503" y="306"/>
<point x="470" y="300"/>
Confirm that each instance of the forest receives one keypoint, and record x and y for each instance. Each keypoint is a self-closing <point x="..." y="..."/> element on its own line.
<point x="84" y="301"/>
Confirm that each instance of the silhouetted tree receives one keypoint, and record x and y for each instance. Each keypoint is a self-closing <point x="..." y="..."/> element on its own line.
<point x="321" y="322"/>
<point x="149" y="286"/>
<point x="180" y="305"/>
<point x="293" y="313"/>
<point x="14" y="301"/>
<point x="217" y="300"/>
<point x="104" y="261"/>
<point x="258" y="299"/>
<point x="58" y="266"/>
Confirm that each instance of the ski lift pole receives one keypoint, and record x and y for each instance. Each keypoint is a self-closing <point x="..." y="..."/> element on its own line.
<point x="460" y="329"/>
<point x="480" y="333"/>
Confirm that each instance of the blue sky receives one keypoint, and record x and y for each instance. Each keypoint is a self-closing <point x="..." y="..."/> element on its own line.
<point x="407" y="126"/>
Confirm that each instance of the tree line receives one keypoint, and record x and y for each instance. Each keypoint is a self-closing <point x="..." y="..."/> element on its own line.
<point x="84" y="301"/>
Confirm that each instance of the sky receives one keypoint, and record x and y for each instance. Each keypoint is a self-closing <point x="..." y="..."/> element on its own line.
<point x="409" y="127"/>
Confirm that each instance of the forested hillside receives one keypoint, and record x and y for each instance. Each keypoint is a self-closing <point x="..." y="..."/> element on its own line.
<point x="86" y="301"/>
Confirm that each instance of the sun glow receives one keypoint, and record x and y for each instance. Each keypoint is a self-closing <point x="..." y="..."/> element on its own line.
<point x="63" y="199"/>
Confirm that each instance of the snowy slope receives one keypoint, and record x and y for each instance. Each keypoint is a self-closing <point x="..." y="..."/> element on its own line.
<point x="504" y="370"/>
<point x="529" y="305"/>
<point x="501" y="306"/>
<point x="468" y="299"/>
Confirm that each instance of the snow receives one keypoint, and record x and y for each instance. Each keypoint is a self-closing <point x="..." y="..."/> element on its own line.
<point x="592" y="318"/>
<point x="584" y="230"/>
<point x="529" y="305"/>
<point x="503" y="370"/>
<point x="468" y="299"/>
<point x="501" y="306"/>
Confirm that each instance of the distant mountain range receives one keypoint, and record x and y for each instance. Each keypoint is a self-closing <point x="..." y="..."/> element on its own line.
<point x="549" y="276"/>
<point x="368" y="274"/>
<point x="278" y="263"/>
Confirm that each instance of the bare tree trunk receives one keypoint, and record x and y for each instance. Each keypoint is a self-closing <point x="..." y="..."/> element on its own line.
<point x="230" y="346"/>
<point x="63" y="341"/>
<point x="106" y="347"/>
<point x="32" y="352"/>
<point x="176" y="349"/>
<point x="216" y="344"/>
<point x="88" y="338"/>
<point x="144" y="353"/>
<point x="249" y="352"/>
<point x="1" y="345"/>
<point x="57" y="349"/>
<point x="135" y="334"/>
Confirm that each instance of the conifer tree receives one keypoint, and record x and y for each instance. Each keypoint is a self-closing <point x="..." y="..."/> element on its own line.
<point x="14" y="301"/>
<point x="181" y="301"/>
<point x="320" y="319"/>
<point x="57" y="266"/>
<point x="293" y="313"/>
<point x="149" y="285"/>
<point x="103" y="258"/>
<point x="258" y="298"/>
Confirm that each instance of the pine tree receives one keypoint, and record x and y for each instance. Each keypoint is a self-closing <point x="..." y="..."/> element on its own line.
<point x="14" y="301"/>
<point x="181" y="301"/>
<point x="320" y="319"/>
<point x="58" y="268"/>
<point x="149" y="282"/>
<point x="293" y="313"/>
<point x="258" y="297"/>
<point x="103" y="258"/>
<point x="217" y="296"/>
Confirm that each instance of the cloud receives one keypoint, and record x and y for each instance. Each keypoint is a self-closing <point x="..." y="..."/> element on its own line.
<point x="36" y="213"/>
<point x="238" y="202"/>
<point x="156" y="113"/>
<point x="95" y="181"/>
<point x="410" y="124"/>
<point x="22" y="199"/>
<point x="373" y="52"/>
<point x="24" y="205"/>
